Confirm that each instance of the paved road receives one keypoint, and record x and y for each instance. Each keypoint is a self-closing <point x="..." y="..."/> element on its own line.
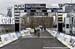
<point x="36" y="43"/>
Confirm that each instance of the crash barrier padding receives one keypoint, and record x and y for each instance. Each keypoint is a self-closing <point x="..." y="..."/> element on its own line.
<point x="25" y="32"/>
<point x="65" y="39"/>
<point x="10" y="37"/>
<point x="7" y="38"/>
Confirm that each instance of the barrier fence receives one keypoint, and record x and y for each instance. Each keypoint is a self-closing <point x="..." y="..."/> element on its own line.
<point x="65" y="39"/>
<point x="10" y="37"/>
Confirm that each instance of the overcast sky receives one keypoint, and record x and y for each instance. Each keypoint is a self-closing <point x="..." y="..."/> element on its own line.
<point x="7" y="3"/>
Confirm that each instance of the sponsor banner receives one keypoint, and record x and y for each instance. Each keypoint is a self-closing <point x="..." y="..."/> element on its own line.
<point x="25" y="32"/>
<point x="22" y="32"/>
<point x="18" y="34"/>
<point x="8" y="37"/>
<point x="28" y="29"/>
<point x="73" y="42"/>
<point x="7" y="20"/>
<point x="5" y="38"/>
<point x="57" y="35"/>
<point x="32" y="30"/>
<point x="13" y="36"/>
<point x="1" y="41"/>
<point x="67" y="38"/>
<point x="54" y="33"/>
<point x="61" y="36"/>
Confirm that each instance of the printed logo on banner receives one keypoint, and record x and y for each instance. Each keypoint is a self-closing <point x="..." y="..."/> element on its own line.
<point x="57" y="35"/>
<point x="6" y="39"/>
<point x="65" y="38"/>
<point x="54" y="33"/>
<point x="71" y="42"/>
<point x="61" y="36"/>
<point x="13" y="36"/>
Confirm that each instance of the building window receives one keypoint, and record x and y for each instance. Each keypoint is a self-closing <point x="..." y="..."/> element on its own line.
<point x="33" y="10"/>
<point x="42" y="4"/>
<point x="44" y="10"/>
<point x="67" y="25"/>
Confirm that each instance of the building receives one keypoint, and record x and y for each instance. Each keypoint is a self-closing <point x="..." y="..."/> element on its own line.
<point x="31" y="9"/>
<point x="68" y="7"/>
<point x="6" y="23"/>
